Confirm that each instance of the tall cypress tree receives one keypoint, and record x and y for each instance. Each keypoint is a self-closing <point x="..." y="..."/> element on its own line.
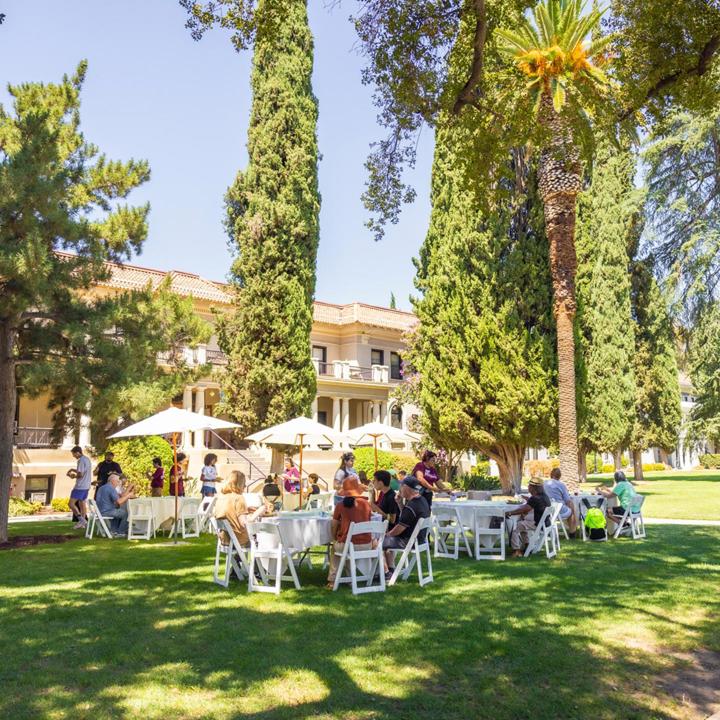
<point x="273" y="210"/>
<point x="658" y="414"/>
<point x="608" y="212"/>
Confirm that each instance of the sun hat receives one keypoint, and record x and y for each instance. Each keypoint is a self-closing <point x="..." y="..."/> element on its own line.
<point x="536" y="481"/>
<point x="351" y="487"/>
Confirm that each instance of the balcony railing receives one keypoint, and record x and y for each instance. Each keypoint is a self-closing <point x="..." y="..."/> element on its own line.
<point x="34" y="437"/>
<point x="346" y="370"/>
<point x="199" y="355"/>
<point x="216" y="357"/>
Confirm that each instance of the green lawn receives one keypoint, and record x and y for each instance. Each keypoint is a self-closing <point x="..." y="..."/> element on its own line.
<point x="118" y="630"/>
<point x="678" y="495"/>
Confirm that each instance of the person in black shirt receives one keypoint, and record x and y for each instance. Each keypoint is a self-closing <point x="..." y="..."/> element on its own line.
<point x="537" y="503"/>
<point x="382" y="500"/>
<point x="104" y="469"/>
<point x="415" y="508"/>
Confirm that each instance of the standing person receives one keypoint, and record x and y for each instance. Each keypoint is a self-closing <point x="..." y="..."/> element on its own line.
<point x="415" y="507"/>
<point x="383" y="499"/>
<point x="156" y="476"/>
<point x="104" y="468"/>
<point x="537" y="502"/>
<point x="82" y="475"/>
<point x="291" y="476"/>
<point x="346" y="469"/>
<point x="353" y="508"/>
<point x="177" y="471"/>
<point x="208" y="476"/>
<point x="556" y="490"/>
<point x="426" y="474"/>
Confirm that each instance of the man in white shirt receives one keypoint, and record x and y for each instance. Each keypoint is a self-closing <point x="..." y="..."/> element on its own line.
<point x="556" y="490"/>
<point x="83" y="480"/>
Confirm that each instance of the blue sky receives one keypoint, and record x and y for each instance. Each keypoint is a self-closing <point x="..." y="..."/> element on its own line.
<point x="152" y="92"/>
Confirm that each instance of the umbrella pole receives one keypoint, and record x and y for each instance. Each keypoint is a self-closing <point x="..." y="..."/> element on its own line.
<point x="375" y="444"/>
<point x="177" y="483"/>
<point x="301" y="480"/>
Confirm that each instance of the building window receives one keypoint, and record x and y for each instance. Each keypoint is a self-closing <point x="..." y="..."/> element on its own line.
<point x="377" y="357"/>
<point x="319" y="354"/>
<point x="39" y="488"/>
<point x="395" y="366"/>
<point x="396" y="416"/>
<point x="322" y="417"/>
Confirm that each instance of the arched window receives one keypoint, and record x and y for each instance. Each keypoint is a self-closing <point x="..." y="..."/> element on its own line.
<point x="396" y="416"/>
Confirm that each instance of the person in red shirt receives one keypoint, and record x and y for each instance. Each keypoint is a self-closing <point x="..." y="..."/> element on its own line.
<point x="353" y="508"/>
<point x="156" y="476"/>
<point x="178" y="471"/>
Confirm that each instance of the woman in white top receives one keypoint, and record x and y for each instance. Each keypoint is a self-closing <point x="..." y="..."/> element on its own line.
<point x="346" y="469"/>
<point x="209" y="475"/>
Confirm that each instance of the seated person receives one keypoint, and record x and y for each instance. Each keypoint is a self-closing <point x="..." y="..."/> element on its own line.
<point x="232" y="507"/>
<point x="291" y="476"/>
<point x="623" y="491"/>
<point x="537" y="502"/>
<point x="415" y="507"/>
<point x="556" y="490"/>
<point x="353" y="508"/>
<point x="112" y="504"/>
<point x="382" y="500"/>
<point x="314" y="478"/>
<point x="394" y="482"/>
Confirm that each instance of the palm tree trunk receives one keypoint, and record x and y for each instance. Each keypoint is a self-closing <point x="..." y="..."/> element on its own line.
<point x="559" y="182"/>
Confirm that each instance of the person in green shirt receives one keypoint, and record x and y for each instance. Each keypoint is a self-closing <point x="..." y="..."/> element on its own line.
<point x="623" y="491"/>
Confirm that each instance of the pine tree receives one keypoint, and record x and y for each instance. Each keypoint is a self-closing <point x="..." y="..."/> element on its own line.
<point x="705" y="373"/>
<point x="608" y="212"/>
<point x="273" y="210"/>
<point x="62" y="217"/>
<point x="657" y="407"/>
<point x="393" y="302"/>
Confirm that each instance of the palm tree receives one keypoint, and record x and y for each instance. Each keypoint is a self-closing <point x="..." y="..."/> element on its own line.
<point x="555" y="51"/>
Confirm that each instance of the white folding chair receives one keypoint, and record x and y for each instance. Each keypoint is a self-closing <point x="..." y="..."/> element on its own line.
<point x="447" y="525"/>
<point x="364" y="564"/>
<point x="189" y="519"/>
<point x="545" y="534"/>
<point x="141" y="520"/>
<point x="486" y="533"/>
<point x="557" y="522"/>
<point x="632" y="522"/>
<point x="600" y="503"/>
<point x="412" y="556"/>
<point x="205" y="512"/>
<point x="97" y="521"/>
<point x="235" y="555"/>
<point x="266" y="544"/>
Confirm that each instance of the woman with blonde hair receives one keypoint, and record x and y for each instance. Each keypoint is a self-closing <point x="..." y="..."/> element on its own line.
<point x="232" y="507"/>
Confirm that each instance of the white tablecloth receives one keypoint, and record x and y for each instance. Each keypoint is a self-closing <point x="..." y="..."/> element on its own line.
<point x="163" y="508"/>
<point x="466" y="510"/>
<point x="301" y="530"/>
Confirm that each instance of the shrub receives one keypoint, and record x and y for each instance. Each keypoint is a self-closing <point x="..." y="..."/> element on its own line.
<point x="649" y="467"/>
<point x="60" y="504"/>
<point x="540" y="468"/>
<point x="482" y="468"/>
<point x="19" y="506"/>
<point x="365" y="460"/>
<point x="135" y="458"/>
<point x="607" y="468"/>
<point x="473" y="481"/>
<point x="709" y="461"/>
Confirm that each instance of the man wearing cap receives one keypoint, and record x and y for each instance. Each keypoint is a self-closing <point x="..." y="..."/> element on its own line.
<point x="353" y="507"/>
<point x="537" y="502"/>
<point x="414" y="508"/>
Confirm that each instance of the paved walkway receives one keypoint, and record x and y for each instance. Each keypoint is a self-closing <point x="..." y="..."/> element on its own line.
<point x="668" y="521"/>
<point x="41" y="518"/>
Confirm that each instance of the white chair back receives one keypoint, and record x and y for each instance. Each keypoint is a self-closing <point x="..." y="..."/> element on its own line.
<point x="96" y="521"/>
<point x="205" y="512"/>
<point x="414" y="554"/>
<point x="141" y="519"/>
<point x="189" y="517"/>
<point x="269" y="557"/>
<point x="489" y="540"/>
<point x="448" y="525"/>
<point x="235" y="555"/>
<point x="364" y="565"/>
<point x="545" y="533"/>
<point x="632" y="521"/>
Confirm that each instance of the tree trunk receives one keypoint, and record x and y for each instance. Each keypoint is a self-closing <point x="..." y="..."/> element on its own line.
<point x="582" y="465"/>
<point x="617" y="459"/>
<point x="637" y="465"/>
<point x="664" y="456"/>
<point x="559" y="182"/>
<point x="509" y="459"/>
<point x="8" y="398"/>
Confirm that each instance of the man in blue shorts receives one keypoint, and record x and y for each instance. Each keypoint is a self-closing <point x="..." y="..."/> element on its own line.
<point x="83" y="479"/>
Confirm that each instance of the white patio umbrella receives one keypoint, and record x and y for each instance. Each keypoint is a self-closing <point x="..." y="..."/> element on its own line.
<point x="173" y="421"/>
<point x="372" y="431"/>
<point x="298" y="432"/>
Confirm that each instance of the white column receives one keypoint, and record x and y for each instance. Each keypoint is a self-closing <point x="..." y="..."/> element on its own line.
<point x="345" y="414"/>
<point x="68" y="440"/>
<point x="187" y="405"/>
<point x="385" y="413"/>
<point x="314" y="409"/>
<point x="376" y="412"/>
<point x="84" y="439"/>
<point x="336" y="414"/>
<point x="200" y="409"/>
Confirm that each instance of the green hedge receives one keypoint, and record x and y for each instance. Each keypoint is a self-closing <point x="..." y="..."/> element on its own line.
<point x="135" y="458"/>
<point x="474" y="481"/>
<point x="19" y="506"/>
<point x="365" y="460"/>
<point x="709" y="461"/>
<point x="650" y="467"/>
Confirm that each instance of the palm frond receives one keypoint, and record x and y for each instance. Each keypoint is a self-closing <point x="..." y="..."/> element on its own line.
<point x="512" y="42"/>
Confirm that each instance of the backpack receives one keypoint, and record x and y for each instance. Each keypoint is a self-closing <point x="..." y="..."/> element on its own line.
<point x="596" y="524"/>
